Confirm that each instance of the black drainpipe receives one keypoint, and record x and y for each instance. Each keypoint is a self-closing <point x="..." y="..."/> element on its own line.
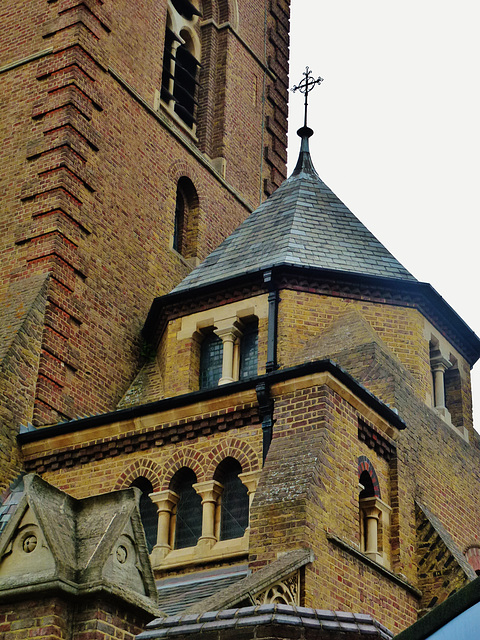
<point x="272" y="364"/>
<point x="265" y="409"/>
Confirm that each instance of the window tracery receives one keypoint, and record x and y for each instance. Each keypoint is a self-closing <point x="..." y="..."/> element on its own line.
<point x="181" y="61"/>
<point x="233" y="501"/>
<point x="188" y="509"/>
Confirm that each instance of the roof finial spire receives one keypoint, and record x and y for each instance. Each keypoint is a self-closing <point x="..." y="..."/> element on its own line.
<point x="305" y="86"/>
<point x="304" y="163"/>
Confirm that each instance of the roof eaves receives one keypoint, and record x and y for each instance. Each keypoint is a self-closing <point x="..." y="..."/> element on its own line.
<point x="316" y="366"/>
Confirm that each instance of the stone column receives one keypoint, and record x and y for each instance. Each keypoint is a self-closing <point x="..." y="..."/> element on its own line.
<point x="250" y="480"/>
<point x="229" y="336"/>
<point x="439" y="366"/>
<point x="209" y="491"/>
<point x="371" y="516"/>
<point x="165" y="502"/>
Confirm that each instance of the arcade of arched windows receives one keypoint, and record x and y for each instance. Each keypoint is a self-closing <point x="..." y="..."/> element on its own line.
<point x="192" y="519"/>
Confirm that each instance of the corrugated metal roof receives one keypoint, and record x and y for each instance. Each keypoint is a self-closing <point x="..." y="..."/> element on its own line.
<point x="303" y="224"/>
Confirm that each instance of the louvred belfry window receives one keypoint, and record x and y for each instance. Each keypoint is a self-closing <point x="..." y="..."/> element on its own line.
<point x="185" y="85"/>
<point x="180" y="62"/>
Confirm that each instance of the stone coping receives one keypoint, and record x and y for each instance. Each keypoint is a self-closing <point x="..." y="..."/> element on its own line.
<point x="286" y="616"/>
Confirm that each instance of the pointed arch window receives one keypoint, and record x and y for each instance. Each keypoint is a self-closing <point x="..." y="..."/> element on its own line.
<point x="148" y="511"/>
<point x="234" y="502"/>
<point x="188" y="515"/>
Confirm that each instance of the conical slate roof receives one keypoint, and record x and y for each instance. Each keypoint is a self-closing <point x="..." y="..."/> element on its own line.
<point x="302" y="224"/>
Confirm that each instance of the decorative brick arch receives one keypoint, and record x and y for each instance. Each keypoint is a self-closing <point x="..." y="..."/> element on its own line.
<point x="472" y="554"/>
<point x="364" y="464"/>
<point x="187" y="457"/>
<point x="180" y="169"/>
<point x="142" y="468"/>
<point x="234" y="448"/>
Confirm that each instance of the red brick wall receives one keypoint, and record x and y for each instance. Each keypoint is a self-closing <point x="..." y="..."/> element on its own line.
<point x="90" y="173"/>
<point x="57" y="618"/>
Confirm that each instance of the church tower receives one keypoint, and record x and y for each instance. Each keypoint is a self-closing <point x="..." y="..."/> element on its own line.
<point x="301" y="434"/>
<point x="135" y="138"/>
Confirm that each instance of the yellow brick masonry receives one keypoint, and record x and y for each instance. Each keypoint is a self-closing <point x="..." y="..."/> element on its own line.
<point x="302" y="316"/>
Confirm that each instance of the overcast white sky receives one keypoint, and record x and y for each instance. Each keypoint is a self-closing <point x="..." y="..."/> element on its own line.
<point x="397" y="133"/>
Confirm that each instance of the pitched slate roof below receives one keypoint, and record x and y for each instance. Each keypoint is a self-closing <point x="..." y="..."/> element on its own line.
<point x="175" y="595"/>
<point x="302" y="224"/>
<point x="10" y="500"/>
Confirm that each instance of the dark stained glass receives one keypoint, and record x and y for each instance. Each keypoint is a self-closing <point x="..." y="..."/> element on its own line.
<point x="179" y="226"/>
<point x="148" y="512"/>
<point x="249" y="352"/>
<point x="234" y="501"/>
<point x="211" y="355"/>
<point x="188" y="527"/>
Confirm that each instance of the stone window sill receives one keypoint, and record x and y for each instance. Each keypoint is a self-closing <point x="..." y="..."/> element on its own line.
<point x="202" y="553"/>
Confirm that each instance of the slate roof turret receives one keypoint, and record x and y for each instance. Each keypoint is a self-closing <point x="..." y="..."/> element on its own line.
<point x="302" y="224"/>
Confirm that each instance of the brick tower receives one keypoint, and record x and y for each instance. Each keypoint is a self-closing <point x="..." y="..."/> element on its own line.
<point x="301" y="434"/>
<point x="121" y="129"/>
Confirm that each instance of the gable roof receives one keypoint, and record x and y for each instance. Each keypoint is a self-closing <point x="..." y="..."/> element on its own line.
<point x="302" y="224"/>
<point x="91" y="543"/>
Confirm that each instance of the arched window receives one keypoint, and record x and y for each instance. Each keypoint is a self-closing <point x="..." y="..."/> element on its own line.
<point x="185" y="229"/>
<point x="179" y="224"/>
<point x="374" y="514"/>
<point x="234" y="503"/>
<point x="368" y="489"/>
<point x="211" y="355"/>
<point x="185" y="80"/>
<point x="188" y="516"/>
<point x="472" y="554"/>
<point x="148" y="511"/>
<point x="180" y="61"/>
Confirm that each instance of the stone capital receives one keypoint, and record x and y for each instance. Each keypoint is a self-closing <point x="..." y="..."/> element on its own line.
<point x="164" y="500"/>
<point x="209" y="490"/>
<point x="250" y="480"/>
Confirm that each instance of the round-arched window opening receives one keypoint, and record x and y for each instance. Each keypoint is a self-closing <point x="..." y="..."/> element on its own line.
<point x="188" y="520"/>
<point x="234" y="506"/>
<point x="368" y="489"/>
<point x="185" y="228"/>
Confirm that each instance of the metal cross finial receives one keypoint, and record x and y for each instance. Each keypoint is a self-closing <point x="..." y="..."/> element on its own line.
<point x="305" y="86"/>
